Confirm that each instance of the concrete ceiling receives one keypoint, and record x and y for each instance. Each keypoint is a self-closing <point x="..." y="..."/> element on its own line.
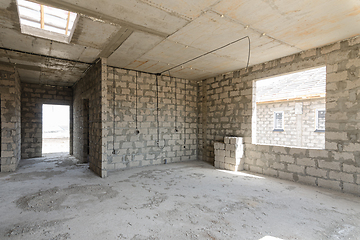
<point x="153" y="36"/>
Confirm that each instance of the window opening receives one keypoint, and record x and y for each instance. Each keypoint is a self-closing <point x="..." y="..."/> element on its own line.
<point x="320" y="120"/>
<point x="46" y="22"/>
<point x="56" y="128"/>
<point x="278" y="121"/>
<point x="289" y="110"/>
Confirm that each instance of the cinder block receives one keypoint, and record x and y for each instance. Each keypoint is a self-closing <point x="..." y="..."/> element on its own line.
<point x="318" y="153"/>
<point x="221" y="153"/>
<point x="270" y="172"/>
<point x="286" y="175"/>
<point x="305" y="162"/>
<point x="233" y="161"/>
<point x="351" y="169"/>
<point x="316" y="172"/>
<point x="230" y="147"/>
<point x="227" y="153"/>
<point x="219" y="158"/>
<point x="351" y="188"/>
<point x="278" y="166"/>
<point x="287" y="159"/>
<point x="222" y="165"/>
<point x="219" y="145"/>
<point x="296" y="168"/>
<point x="346" y="177"/>
<point x="331" y="184"/>
<point x="255" y="169"/>
<point x="231" y="167"/>
<point x="329" y="165"/>
<point x="307" y="180"/>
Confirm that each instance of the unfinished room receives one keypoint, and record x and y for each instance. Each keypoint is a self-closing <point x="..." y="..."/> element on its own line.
<point x="166" y="119"/>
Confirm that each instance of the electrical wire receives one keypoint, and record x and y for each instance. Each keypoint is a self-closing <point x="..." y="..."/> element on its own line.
<point x="136" y="104"/>
<point x="157" y="111"/>
<point x="114" y="107"/>
<point x="176" y="112"/>
<point x="185" y="116"/>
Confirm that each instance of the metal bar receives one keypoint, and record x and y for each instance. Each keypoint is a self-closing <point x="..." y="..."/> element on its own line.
<point x="67" y="24"/>
<point x="42" y="16"/>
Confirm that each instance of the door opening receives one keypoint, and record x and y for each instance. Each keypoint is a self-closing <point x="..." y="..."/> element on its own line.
<point x="56" y="128"/>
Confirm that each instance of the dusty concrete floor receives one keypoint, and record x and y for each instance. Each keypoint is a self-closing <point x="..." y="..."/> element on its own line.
<point x="53" y="198"/>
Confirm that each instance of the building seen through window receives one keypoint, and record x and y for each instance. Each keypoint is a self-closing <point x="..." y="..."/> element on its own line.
<point x="289" y="110"/>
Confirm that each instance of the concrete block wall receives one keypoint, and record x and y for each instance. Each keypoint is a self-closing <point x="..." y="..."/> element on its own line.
<point x="299" y="129"/>
<point x="228" y="155"/>
<point x="10" y="126"/>
<point x="227" y="110"/>
<point x="177" y="99"/>
<point x="91" y="89"/>
<point x="33" y="96"/>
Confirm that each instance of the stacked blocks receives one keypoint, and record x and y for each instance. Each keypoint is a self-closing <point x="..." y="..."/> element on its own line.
<point x="228" y="155"/>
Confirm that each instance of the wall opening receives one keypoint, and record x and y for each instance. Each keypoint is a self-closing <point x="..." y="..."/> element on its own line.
<point x="55" y="128"/>
<point x="289" y="110"/>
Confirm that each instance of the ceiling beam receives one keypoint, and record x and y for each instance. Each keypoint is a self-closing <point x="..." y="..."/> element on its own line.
<point x="115" y="42"/>
<point x="90" y="13"/>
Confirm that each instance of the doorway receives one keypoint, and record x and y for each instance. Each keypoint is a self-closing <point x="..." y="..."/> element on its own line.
<point x="55" y="128"/>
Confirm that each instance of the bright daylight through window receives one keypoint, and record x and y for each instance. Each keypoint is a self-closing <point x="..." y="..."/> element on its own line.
<point x="289" y="110"/>
<point x="46" y="22"/>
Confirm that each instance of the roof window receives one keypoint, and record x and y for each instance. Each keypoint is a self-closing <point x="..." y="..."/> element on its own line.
<point x="46" y="22"/>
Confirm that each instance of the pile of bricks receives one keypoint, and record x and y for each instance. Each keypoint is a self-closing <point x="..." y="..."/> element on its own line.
<point x="228" y="155"/>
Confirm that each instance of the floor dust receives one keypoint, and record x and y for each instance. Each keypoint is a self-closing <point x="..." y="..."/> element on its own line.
<point x="53" y="197"/>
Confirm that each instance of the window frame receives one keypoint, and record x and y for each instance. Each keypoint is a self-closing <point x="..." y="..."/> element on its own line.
<point x="275" y="129"/>
<point x="317" y="120"/>
<point x="42" y="16"/>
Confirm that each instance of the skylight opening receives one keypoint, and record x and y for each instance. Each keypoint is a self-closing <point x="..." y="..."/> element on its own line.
<point x="46" y="22"/>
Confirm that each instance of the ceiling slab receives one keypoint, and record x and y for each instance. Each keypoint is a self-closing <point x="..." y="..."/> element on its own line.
<point x="133" y="48"/>
<point x="172" y="52"/>
<point x="115" y="42"/>
<point x="304" y="24"/>
<point x="29" y="76"/>
<point x="134" y="15"/>
<point x="209" y="31"/>
<point x="188" y="9"/>
<point x="12" y="39"/>
<point x="155" y="35"/>
<point x="92" y="33"/>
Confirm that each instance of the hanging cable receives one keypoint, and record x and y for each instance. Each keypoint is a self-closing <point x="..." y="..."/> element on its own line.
<point x="114" y="105"/>
<point x="185" y="117"/>
<point x="136" y="104"/>
<point x="202" y="55"/>
<point x="176" y="128"/>
<point x="157" y="111"/>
